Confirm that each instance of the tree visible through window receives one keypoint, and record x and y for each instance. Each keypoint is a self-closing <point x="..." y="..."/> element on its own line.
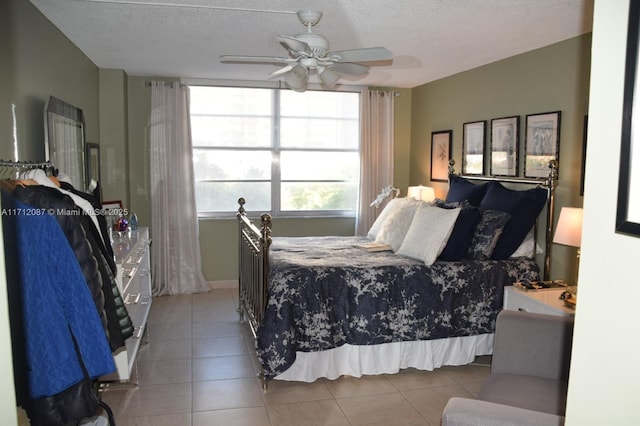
<point x="283" y="151"/>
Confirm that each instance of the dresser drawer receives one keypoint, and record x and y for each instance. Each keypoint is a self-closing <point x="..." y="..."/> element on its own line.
<point x="134" y="280"/>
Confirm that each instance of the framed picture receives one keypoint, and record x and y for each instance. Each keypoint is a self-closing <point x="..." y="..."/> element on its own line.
<point x="542" y="143"/>
<point x="473" y="147"/>
<point x="440" y="155"/>
<point x="112" y="207"/>
<point x="583" y="166"/>
<point x="628" y="211"/>
<point x="505" y="142"/>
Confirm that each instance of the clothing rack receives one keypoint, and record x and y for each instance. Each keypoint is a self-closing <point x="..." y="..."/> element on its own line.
<point x="75" y="273"/>
<point x="11" y="169"/>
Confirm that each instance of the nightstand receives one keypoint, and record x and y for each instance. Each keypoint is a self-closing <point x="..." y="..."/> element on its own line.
<point x="536" y="301"/>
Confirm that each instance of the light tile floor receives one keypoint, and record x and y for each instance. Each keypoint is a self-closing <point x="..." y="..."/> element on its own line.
<point x="199" y="368"/>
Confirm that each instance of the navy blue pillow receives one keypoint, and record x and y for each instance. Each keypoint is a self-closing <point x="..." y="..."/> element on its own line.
<point x="463" y="230"/>
<point x="462" y="189"/>
<point x="524" y="208"/>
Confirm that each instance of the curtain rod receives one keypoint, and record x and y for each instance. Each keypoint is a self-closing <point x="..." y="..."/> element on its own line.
<point x="147" y="83"/>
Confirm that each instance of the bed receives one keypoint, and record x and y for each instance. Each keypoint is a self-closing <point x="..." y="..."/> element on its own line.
<point x="327" y="307"/>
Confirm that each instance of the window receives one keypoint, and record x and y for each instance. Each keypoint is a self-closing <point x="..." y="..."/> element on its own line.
<point x="285" y="152"/>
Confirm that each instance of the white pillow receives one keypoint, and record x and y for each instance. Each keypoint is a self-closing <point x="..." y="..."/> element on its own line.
<point x="429" y="232"/>
<point x="391" y="206"/>
<point x="396" y="223"/>
<point x="526" y="247"/>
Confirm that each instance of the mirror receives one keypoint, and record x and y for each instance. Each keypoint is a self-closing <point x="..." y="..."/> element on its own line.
<point x="64" y="140"/>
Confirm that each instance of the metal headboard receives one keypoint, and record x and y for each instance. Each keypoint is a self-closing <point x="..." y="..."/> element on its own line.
<point x="549" y="183"/>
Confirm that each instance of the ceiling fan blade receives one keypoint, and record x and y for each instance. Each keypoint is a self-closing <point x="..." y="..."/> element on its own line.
<point x="260" y="59"/>
<point x="349" y="68"/>
<point x="328" y="77"/>
<point x="371" y="54"/>
<point x="280" y="71"/>
<point x="294" y="46"/>
<point x="297" y="78"/>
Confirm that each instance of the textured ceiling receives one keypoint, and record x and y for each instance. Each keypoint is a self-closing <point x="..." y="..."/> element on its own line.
<point x="430" y="39"/>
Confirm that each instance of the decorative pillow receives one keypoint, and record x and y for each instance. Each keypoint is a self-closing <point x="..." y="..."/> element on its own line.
<point x="463" y="189"/>
<point x="487" y="234"/>
<point x="428" y="233"/>
<point x="389" y="208"/>
<point x="395" y="225"/>
<point x="524" y="208"/>
<point x="527" y="247"/>
<point x="462" y="233"/>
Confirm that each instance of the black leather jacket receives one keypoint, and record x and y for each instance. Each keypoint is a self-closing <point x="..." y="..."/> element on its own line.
<point x="118" y="320"/>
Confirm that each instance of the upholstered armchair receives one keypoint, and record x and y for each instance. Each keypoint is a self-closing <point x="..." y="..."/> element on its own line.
<point x="529" y="373"/>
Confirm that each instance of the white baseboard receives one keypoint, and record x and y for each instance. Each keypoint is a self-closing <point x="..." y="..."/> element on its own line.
<point x="222" y="284"/>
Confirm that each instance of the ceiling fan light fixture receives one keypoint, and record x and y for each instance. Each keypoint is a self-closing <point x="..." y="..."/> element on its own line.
<point x="328" y="77"/>
<point x="297" y="78"/>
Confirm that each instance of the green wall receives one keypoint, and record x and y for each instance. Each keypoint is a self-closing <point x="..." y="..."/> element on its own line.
<point x="553" y="78"/>
<point x="39" y="61"/>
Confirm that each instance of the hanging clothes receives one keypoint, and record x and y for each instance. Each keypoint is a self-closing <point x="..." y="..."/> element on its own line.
<point x="41" y="178"/>
<point x="102" y="221"/>
<point x="65" y="345"/>
<point x="65" y="211"/>
<point x="119" y="324"/>
<point x="92" y="254"/>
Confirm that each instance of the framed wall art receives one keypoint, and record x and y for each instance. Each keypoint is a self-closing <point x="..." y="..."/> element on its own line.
<point x="505" y="142"/>
<point x="583" y="165"/>
<point x="628" y="211"/>
<point x="473" y="134"/>
<point x="112" y="207"/>
<point x="440" y="155"/>
<point x="542" y="143"/>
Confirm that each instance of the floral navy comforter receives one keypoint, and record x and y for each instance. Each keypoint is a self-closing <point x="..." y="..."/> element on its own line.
<point x="326" y="291"/>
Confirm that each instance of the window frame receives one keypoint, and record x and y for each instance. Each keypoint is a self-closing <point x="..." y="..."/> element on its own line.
<point x="276" y="150"/>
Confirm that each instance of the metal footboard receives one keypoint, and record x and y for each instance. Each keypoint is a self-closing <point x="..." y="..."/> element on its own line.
<point x="253" y="267"/>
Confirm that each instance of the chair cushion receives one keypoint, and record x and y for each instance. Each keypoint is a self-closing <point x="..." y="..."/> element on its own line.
<point x="528" y="392"/>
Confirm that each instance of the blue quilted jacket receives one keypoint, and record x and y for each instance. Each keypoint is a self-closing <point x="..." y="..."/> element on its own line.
<point x="57" y="308"/>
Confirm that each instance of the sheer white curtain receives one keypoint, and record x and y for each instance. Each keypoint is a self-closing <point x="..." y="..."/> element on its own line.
<point x="376" y="153"/>
<point x="175" y="252"/>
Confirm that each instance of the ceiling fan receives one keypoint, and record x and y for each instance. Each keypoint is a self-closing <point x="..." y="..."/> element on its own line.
<point x="309" y="52"/>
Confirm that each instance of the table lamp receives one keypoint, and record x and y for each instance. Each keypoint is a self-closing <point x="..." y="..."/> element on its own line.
<point x="424" y="193"/>
<point x="569" y="231"/>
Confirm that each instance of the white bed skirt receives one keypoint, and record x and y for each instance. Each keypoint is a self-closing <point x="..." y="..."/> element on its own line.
<point x="387" y="358"/>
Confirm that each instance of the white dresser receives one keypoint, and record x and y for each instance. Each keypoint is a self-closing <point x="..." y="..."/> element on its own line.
<point x="134" y="280"/>
<point x="544" y="301"/>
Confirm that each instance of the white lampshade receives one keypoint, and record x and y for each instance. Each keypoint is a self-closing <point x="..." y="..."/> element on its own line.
<point x="297" y="78"/>
<point x="569" y="229"/>
<point x="424" y="193"/>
